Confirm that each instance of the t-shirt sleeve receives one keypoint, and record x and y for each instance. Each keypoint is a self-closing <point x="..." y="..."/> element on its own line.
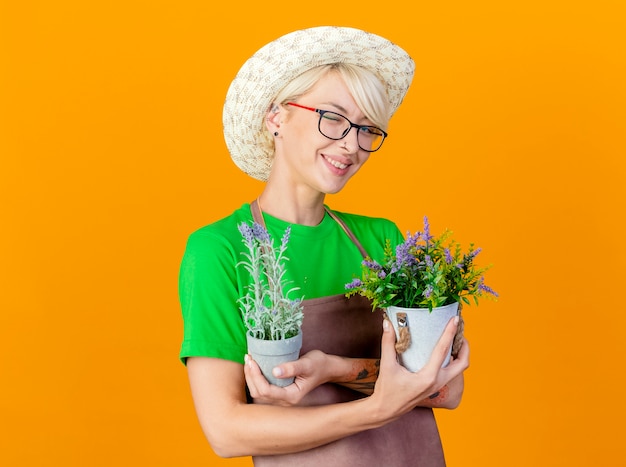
<point x="208" y="292"/>
<point x="393" y="234"/>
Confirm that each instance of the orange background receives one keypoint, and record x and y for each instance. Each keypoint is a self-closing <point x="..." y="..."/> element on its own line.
<point x="512" y="135"/>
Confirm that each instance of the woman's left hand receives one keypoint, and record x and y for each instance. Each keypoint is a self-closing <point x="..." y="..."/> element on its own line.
<point x="310" y="371"/>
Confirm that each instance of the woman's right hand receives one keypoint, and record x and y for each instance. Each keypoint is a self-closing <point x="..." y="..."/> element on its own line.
<point x="397" y="390"/>
<point x="310" y="371"/>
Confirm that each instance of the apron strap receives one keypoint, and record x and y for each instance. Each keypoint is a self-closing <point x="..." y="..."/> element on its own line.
<point x="257" y="215"/>
<point x="348" y="232"/>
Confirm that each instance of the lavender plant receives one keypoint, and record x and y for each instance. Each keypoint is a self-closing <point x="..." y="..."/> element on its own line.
<point x="422" y="272"/>
<point x="267" y="311"/>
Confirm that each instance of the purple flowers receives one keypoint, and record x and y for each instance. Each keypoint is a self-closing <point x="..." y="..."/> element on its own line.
<point x="426" y="235"/>
<point x="372" y="265"/>
<point x="424" y="271"/>
<point x="404" y="257"/>
<point x="256" y="233"/>
<point x="285" y="238"/>
<point x="474" y="253"/>
<point x="356" y="283"/>
<point x="485" y="288"/>
<point x="247" y="233"/>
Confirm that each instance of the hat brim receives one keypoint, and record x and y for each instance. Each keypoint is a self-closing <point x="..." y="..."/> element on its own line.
<point x="276" y="64"/>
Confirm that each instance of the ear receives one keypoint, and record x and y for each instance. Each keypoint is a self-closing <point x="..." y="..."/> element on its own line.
<point x="273" y="118"/>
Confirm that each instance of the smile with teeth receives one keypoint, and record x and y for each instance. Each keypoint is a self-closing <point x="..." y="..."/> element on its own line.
<point x="335" y="163"/>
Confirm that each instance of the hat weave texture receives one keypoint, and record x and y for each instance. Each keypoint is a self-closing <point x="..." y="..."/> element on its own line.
<point x="276" y="64"/>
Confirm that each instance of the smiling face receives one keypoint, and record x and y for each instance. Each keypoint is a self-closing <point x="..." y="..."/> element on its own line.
<point x="306" y="158"/>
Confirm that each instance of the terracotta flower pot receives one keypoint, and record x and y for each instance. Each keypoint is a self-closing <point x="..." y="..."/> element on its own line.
<point x="424" y="328"/>
<point x="268" y="354"/>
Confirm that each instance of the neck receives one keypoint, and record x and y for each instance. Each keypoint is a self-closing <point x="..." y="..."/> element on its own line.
<point x="292" y="209"/>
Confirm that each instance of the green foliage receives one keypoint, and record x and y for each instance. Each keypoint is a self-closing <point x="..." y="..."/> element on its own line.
<point x="422" y="272"/>
<point x="267" y="310"/>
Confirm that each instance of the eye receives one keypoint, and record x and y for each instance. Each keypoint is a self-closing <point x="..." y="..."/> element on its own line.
<point x="332" y="117"/>
<point x="370" y="131"/>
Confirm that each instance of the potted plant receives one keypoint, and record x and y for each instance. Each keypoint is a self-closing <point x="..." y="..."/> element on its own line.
<point x="421" y="284"/>
<point x="272" y="319"/>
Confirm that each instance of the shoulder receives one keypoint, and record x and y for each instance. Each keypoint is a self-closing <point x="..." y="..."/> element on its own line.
<point x="372" y="232"/>
<point x="220" y="235"/>
<point x="378" y="229"/>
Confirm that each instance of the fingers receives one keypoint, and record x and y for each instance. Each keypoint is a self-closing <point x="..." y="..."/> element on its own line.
<point x="265" y="393"/>
<point x="289" y="369"/>
<point x="388" y="353"/>
<point x="257" y="384"/>
<point x="255" y="376"/>
<point x="260" y="388"/>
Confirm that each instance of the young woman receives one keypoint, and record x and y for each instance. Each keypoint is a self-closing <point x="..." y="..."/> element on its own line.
<point x="304" y="114"/>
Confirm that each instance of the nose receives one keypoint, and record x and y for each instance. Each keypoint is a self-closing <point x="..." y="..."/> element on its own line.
<point x="351" y="140"/>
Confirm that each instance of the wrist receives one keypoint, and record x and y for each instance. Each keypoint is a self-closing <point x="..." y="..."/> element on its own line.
<point x="376" y="411"/>
<point x="358" y="374"/>
<point x="338" y="369"/>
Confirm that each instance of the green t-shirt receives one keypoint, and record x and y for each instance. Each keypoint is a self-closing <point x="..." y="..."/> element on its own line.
<point x="322" y="259"/>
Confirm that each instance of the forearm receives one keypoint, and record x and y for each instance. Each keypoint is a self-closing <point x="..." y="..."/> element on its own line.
<point x="360" y="374"/>
<point x="236" y="428"/>
<point x="256" y="429"/>
<point x="448" y="397"/>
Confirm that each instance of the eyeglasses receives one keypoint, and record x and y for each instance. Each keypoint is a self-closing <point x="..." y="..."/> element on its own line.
<point x="335" y="126"/>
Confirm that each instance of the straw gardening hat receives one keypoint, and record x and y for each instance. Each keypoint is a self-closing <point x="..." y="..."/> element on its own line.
<point x="264" y="74"/>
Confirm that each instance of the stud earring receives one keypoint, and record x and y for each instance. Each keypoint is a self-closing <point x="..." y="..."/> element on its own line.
<point x="275" y="133"/>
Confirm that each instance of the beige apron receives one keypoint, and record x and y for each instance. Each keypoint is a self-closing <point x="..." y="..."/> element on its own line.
<point x="348" y="327"/>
